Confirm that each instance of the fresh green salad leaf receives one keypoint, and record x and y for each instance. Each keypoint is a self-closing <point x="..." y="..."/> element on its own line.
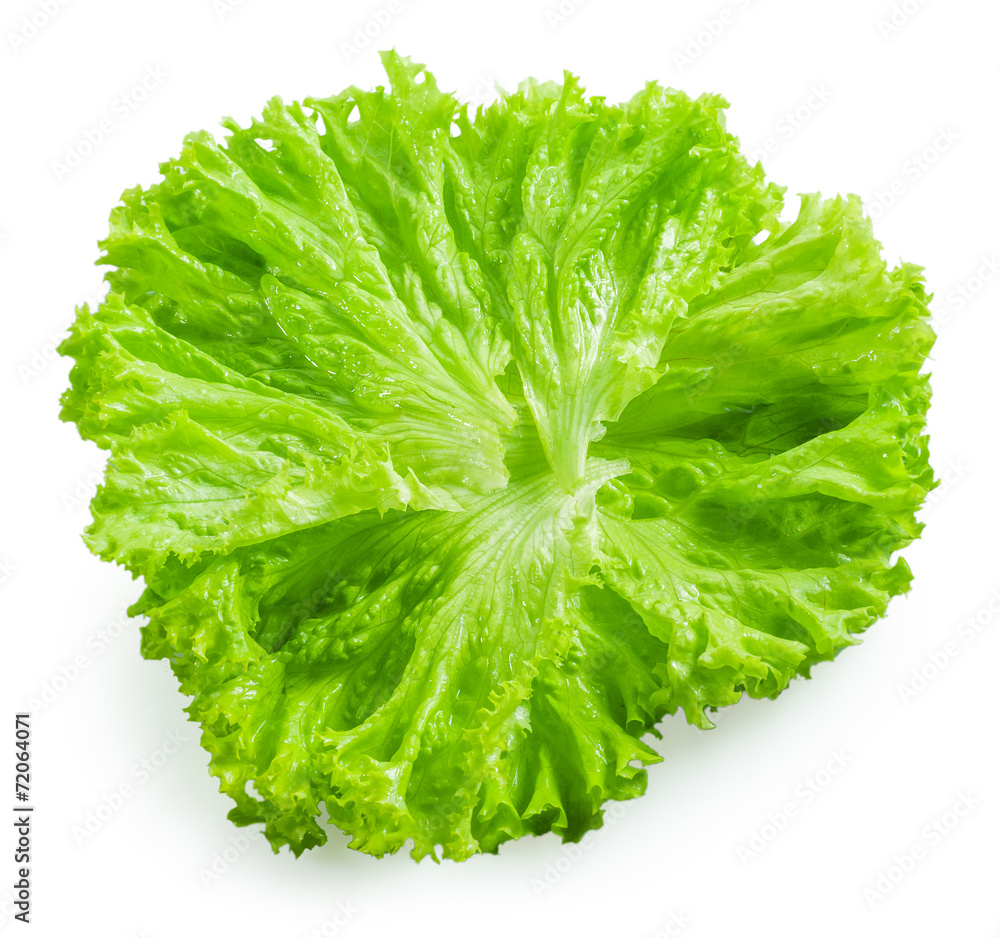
<point x="457" y="450"/>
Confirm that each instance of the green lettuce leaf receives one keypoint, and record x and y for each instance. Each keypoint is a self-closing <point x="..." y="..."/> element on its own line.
<point x="457" y="450"/>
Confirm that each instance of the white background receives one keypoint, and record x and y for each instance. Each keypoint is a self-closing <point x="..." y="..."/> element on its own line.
<point x="900" y="104"/>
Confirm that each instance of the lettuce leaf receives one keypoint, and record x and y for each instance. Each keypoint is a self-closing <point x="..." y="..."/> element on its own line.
<point x="457" y="450"/>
